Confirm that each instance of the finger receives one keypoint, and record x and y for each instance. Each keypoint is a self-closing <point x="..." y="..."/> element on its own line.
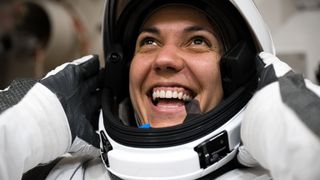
<point x="259" y="64"/>
<point x="93" y="107"/>
<point x="85" y="131"/>
<point x="92" y="137"/>
<point x="96" y="140"/>
<point x="89" y="134"/>
<point x="90" y="67"/>
<point x="91" y="85"/>
<point x="267" y="76"/>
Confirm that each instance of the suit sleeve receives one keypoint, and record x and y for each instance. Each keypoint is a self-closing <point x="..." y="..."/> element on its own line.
<point x="281" y="128"/>
<point x="33" y="128"/>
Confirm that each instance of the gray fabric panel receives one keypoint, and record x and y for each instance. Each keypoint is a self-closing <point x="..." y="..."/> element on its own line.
<point x="18" y="89"/>
<point x="302" y="100"/>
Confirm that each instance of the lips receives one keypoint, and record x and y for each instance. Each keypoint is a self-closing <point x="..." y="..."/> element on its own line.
<point x="173" y="95"/>
<point x="166" y="104"/>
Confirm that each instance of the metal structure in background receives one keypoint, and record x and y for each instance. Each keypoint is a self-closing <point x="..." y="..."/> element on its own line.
<point x="307" y="4"/>
<point x="295" y="27"/>
<point x="297" y="41"/>
<point x="37" y="35"/>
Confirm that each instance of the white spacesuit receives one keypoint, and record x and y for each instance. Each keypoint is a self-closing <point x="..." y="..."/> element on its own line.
<point x="266" y="126"/>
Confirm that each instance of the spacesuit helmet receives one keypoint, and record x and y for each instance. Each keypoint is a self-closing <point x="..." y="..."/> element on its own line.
<point x="203" y="143"/>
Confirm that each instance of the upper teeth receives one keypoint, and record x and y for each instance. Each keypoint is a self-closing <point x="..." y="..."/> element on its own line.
<point x="168" y="94"/>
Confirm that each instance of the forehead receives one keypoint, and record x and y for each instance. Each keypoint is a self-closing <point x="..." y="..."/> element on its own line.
<point x="177" y="14"/>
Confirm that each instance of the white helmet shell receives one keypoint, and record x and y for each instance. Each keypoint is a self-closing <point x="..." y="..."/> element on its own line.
<point x="195" y="148"/>
<point x="256" y="23"/>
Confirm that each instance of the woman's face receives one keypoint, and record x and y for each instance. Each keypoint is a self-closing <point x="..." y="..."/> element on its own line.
<point x="176" y="59"/>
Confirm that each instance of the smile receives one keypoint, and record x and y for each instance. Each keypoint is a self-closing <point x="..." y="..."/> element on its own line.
<point x="171" y="94"/>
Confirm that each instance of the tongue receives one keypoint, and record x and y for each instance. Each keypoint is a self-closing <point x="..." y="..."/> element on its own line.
<point x="170" y="103"/>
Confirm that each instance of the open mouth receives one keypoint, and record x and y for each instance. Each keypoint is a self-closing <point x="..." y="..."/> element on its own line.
<point x="171" y="95"/>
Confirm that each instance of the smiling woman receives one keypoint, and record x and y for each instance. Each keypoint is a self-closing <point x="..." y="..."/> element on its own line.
<point x="178" y="76"/>
<point x="176" y="60"/>
<point x="181" y="76"/>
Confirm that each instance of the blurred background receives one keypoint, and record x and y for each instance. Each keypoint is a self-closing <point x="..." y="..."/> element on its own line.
<point x="38" y="35"/>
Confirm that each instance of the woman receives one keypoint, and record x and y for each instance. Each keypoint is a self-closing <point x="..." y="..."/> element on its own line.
<point x="191" y="71"/>
<point x="206" y="50"/>
<point x="178" y="77"/>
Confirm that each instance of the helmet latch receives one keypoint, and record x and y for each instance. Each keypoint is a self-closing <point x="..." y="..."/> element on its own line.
<point x="105" y="148"/>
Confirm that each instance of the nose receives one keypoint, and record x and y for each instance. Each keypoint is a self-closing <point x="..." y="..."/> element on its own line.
<point x="168" y="59"/>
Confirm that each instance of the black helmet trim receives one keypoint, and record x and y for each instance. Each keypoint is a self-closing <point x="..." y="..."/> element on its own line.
<point x="170" y="136"/>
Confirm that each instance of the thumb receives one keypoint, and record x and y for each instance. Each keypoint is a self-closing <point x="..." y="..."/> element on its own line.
<point x="245" y="158"/>
<point x="89" y="135"/>
<point x="266" y="72"/>
<point x="280" y="67"/>
<point x="81" y="147"/>
<point x="91" y="67"/>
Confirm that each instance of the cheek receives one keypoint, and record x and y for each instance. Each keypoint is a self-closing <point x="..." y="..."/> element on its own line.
<point x="133" y="77"/>
<point x="137" y="74"/>
<point x="208" y="72"/>
<point x="214" y="88"/>
<point x="211" y="78"/>
<point x="214" y="75"/>
<point x="208" y="76"/>
<point x="134" y="81"/>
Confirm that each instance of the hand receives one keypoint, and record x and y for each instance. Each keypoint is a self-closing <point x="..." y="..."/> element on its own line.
<point x="269" y="69"/>
<point x="76" y="84"/>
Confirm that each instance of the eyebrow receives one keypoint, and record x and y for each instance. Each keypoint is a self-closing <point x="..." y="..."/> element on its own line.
<point x="189" y="29"/>
<point x="198" y="28"/>
<point x="152" y="30"/>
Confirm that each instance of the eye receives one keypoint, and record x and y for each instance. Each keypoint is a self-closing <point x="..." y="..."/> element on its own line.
<point x="147" y="41"/>
<point x="200" y="41"/>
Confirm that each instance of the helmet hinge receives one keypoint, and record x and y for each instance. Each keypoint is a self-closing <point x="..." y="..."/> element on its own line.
<point x="106" y="147"/>
<point x="115" y="57"/>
